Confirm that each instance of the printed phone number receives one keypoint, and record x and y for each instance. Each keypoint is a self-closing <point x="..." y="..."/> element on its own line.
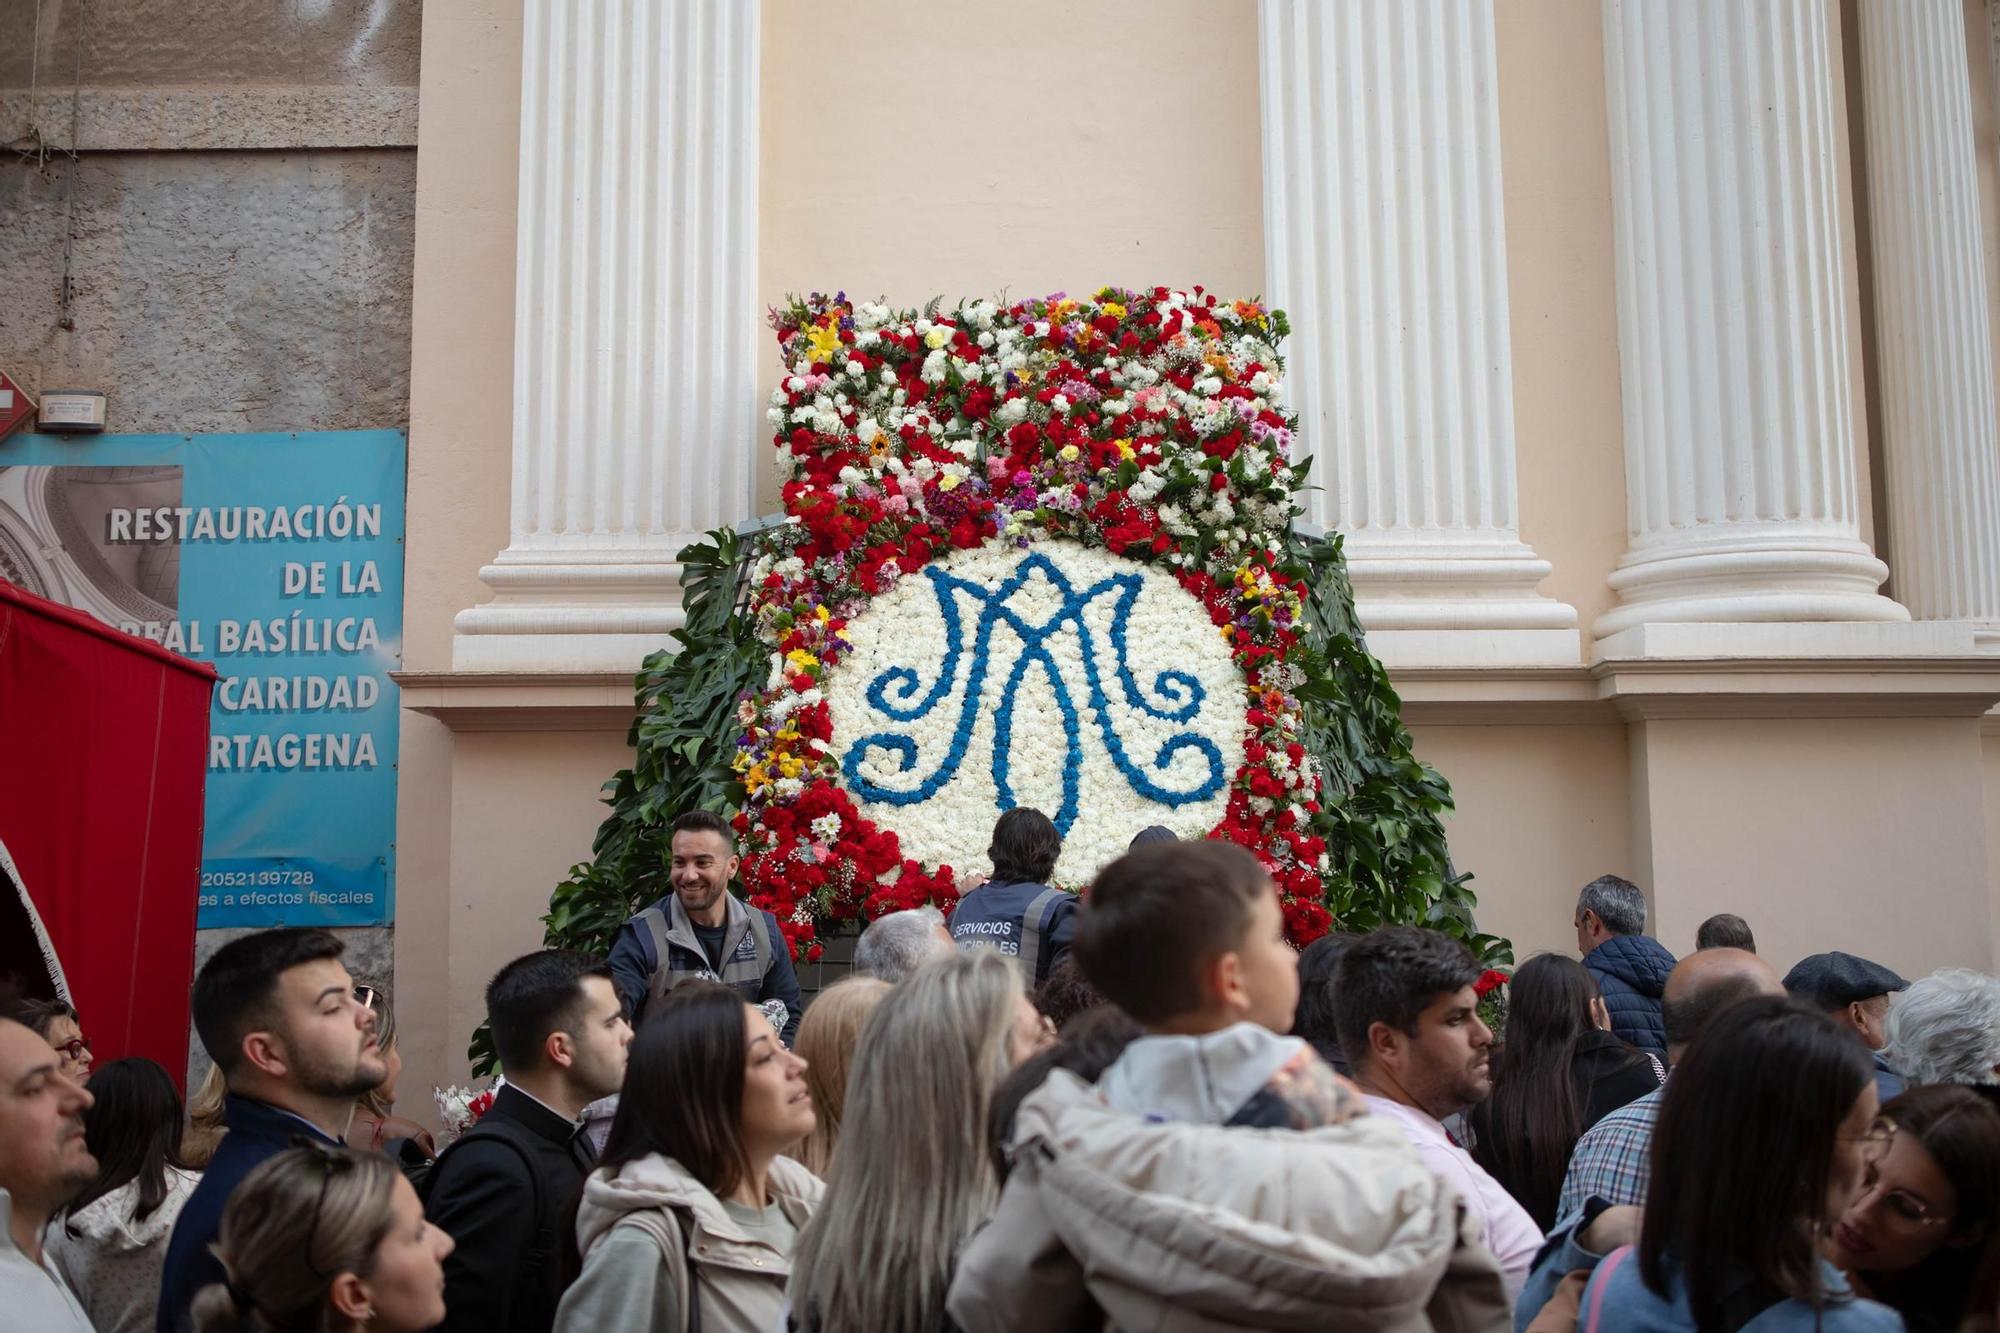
<point x="246" y="879"/>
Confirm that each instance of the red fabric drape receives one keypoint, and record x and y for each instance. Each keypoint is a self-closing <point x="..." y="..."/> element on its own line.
<point x="103" y="752"/>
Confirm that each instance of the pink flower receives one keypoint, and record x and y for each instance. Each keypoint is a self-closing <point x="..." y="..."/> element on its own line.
<point x="897" y="505"/>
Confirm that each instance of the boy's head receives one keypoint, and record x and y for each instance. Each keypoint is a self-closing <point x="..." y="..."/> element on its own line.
<point x="1187" y="937"/>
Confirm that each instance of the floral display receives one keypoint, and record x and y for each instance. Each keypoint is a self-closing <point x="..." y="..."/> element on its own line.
<point x="1034" y="555"/>
<point x="459" y="1108"/>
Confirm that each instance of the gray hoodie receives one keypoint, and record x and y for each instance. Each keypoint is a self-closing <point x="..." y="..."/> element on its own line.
<point x="1244" y="1075"/>
<point x="114" y="1261"/>
<point x="635" y="1265"/>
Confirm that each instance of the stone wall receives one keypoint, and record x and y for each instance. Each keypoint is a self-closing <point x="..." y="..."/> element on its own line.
<point x="239" y="220"/>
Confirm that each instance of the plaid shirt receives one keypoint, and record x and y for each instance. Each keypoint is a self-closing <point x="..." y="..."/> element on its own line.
<point x="1613" y="1158"/>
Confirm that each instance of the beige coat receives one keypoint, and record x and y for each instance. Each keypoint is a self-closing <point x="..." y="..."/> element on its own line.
<point x="634" y="1262"/>
<point x="1177" y="1228"/>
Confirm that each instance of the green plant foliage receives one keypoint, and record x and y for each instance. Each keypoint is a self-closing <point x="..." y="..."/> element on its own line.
<point x="1383" y="816"/>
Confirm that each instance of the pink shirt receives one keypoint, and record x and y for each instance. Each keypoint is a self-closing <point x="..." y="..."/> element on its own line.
<point x="1510" y="1233"/>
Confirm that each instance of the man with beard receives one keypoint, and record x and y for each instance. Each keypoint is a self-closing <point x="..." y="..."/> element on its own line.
<point x="276" y="1011"/>
<point x="702" y="930"/>
<point x="43" y="1165"/>
<point x="1408" y="1021"/>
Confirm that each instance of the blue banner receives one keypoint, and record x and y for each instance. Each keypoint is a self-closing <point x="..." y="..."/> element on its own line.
<point x="279" y="559"/>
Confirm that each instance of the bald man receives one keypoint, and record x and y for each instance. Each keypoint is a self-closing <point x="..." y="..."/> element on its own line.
<point x="1611" y="1159"/>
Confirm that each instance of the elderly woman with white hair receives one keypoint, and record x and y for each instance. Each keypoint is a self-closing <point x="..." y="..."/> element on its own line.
<point x="1946" y="1029"/>
<point x="898" y="944"/>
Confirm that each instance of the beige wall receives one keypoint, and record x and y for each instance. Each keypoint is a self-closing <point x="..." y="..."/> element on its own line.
<point x="1862" y="834"/>
<point x="1541" y="812"/>
<point x="1555" y="144"/>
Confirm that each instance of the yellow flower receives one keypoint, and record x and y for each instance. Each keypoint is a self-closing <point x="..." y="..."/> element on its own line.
<point x="1113" y="309"/>
<point x="937" y="337"/>
<point x="1068" y="453"/>
<point x="948" y="482"/>
<point x="824" y="341"/>
<point x="1125" y="449"/>
<point x="822" y="614"/>
<point x="801" y="660"/>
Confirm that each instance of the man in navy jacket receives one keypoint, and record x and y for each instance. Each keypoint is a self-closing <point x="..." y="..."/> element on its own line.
<point x="1629" y="966"/>
<point x="276" y="1012"/>
<point x="1016" y="912"/>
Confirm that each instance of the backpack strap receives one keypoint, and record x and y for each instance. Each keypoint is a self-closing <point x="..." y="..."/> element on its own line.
<point x="655" y="923"/>
<point x="690" y="1298"/>
<point x="762" y="934"/>
<point x="1031" y="932"/>
<point x="492" y="1132"/>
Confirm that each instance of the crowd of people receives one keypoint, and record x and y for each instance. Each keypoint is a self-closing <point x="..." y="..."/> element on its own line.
<point x="1137" y="1109"/>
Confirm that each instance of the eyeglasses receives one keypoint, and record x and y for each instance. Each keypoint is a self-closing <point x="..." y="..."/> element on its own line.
<point x="366" y="996"/>
<point x="73" y="1049"/>
<point x="332" y="1162"/>
<point x="1902" y="1205"/>
<point x="1875" y="1143"/>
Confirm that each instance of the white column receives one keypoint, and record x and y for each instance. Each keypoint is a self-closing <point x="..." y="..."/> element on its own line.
<point x="1732" y="320"/>
<point x="636" y="323"/>
<point x="1940" y="443"/>
<point x="1386" y="245"/>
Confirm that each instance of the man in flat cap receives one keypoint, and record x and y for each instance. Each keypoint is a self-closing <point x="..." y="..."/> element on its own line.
<point x="1854" y="993"/>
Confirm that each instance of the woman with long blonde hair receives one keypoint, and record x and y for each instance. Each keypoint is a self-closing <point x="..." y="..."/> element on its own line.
<point x="827" y="1038"/>
<point x="879" y="1252"/>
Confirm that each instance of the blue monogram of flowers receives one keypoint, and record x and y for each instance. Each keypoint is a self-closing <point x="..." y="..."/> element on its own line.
<point x="899" y="694"/>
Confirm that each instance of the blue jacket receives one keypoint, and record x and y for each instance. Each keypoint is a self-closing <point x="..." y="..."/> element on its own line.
<point x="1631" y="972"/>
<point x="1624" y="1302"/>
<point x="993" y="914"/>
<point x="257" y="1131"/>
<point x="634" y="959"/>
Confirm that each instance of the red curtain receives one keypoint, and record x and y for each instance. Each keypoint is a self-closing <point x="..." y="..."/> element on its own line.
<point x="103" y="751"/>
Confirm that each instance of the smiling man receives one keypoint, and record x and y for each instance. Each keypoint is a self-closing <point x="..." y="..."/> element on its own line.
<point x="1409" y="1024"/>
<point x="43" y="1165"/>
<point x="703" y="931"/>
<point x="276" y="1012"/>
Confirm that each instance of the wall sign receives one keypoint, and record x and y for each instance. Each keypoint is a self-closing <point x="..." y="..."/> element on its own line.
<point x="279" y="559"/>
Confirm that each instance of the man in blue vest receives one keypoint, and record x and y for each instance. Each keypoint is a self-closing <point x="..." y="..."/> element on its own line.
<point x="702" y="930"/>
<point x="1629" y="966"/>
<point x="276" y="1011"/>
<point x="1016" y="912"/>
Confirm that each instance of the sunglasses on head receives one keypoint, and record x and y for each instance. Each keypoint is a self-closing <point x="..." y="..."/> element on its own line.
<point x="331" y="1162"/>
<point x="366" y="996"/>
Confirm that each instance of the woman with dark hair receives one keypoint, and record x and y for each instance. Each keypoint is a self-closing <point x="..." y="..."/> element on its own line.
<point x="1766" y="1132"/>
<point x="1559" y="1072"/>
<point x="692" y="1214"/>
<point x="111" y="1241"/>
<point x="1912" y="1238"/>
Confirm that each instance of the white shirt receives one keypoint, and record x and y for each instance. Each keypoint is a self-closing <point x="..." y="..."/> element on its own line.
<point x="30" y="1292"/>
<point x="1510" y="1233"/>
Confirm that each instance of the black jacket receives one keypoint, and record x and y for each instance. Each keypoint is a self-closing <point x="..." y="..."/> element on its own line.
<point x="504" y="1203"/>
<point x="257" y="1130"/>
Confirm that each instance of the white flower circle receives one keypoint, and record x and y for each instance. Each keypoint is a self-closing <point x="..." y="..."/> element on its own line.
<point x="1128" y="711"/>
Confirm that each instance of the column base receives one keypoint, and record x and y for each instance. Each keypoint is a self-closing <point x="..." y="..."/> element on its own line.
<point x="587" y="611"/>
<point x="1458" y="603"/>
<point x="1824" y="641"/>
<point x="1746" y="578"/>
